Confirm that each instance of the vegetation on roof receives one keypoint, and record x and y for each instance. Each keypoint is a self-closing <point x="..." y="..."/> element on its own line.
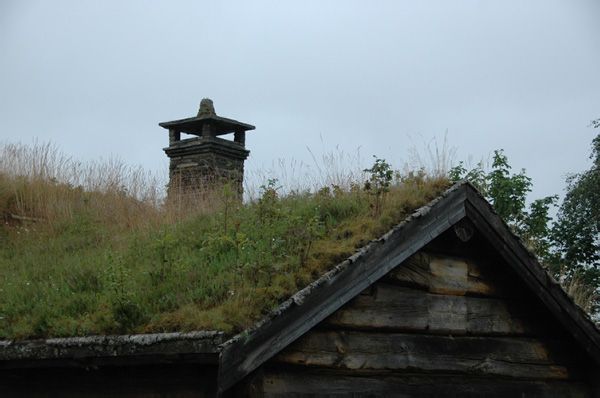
<point x="93" y="249"/>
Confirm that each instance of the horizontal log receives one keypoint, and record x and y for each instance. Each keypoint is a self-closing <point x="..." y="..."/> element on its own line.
<point x="400" y="308"/>
<point x="275" y="382"/>
<point x="511" y="357"/>
<point x="386" y="306"/>
<point x="449" y="275"/>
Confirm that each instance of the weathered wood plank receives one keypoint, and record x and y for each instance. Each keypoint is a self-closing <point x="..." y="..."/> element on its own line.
<point x="393" y="307"/>
<point x="386" y="307"/>
<point x="492" y="316"/>
<point x="413" y="272"/>
<point x="511" y="357"/>
<point x="449" y="275"/>
<point x="298" y="382"/>
<point x="447" y="314"/>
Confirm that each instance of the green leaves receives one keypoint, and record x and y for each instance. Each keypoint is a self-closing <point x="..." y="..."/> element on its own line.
<point x="577" y="229"/>
<point x="378" y="183"/>
<point x="508" y="194"/>
<point x="120" y="292"/>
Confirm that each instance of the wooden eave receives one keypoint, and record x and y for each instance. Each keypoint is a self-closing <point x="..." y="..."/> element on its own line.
<point x="162" y="348"/>
<point x="250" y="349"/>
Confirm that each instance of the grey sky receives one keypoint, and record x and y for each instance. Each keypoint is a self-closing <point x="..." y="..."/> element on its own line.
<point x="96" y="77"/>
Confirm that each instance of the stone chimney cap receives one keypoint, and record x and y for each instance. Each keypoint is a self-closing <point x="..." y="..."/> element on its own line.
<point x="206" y="107"/>
<point x="206" y="115"/>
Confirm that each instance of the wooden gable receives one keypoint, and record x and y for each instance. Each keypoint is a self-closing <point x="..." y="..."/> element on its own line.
<point x="436" y="325"/>
<point x="451" y="304"/>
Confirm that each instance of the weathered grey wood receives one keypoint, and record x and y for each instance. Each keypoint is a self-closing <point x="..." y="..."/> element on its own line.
<point x="413" y="272"/>
<point x="447" y="314"/>
<point x="511" y="357"/>
<point x="448" y="275"/>
<point x="390" y="307"/>
<point x="492" y="316"/>
<point x="199" y="347"/>
<point x="541" y="284"/>
<point x="296" y="382"/>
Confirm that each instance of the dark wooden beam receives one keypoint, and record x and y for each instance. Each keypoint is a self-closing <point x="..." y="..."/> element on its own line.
<point x="500" y="356"/>
<point x="305" y="382"/>
<point x="395" y="308"/>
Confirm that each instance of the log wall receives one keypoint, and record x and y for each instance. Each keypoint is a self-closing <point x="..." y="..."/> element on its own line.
<point x="434" y="326"/>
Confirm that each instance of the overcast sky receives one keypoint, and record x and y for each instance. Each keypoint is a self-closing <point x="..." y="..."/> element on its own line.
<point x="96" y="77"/>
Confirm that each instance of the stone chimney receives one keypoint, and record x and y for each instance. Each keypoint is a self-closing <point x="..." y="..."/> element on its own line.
<point x="199" y="164"/>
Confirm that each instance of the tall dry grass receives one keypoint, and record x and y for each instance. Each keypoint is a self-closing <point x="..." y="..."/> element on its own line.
<point x="432" y="158"/>
<point x="40" y="182"/>
<point x="335" y="168"/>
<point x="584" y="295"/>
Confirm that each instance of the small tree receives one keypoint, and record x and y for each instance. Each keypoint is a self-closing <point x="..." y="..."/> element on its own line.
<point x="508" y="195"/>
<point x="378" y="183"/>
<point x="576" y="232"/>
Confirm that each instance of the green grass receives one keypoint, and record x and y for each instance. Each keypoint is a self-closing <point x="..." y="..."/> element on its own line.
<point x="105" y="262"/>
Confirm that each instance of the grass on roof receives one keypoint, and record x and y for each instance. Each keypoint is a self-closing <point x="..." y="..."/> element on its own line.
<point x="80" y="259"/>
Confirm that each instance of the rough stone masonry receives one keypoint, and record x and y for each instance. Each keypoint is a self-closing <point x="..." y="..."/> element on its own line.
<point x="200" y="164"/>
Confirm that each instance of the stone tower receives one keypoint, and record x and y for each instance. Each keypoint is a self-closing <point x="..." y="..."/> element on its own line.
<point x="199" y="164"/>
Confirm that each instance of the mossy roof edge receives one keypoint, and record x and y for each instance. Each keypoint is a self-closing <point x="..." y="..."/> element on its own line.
<point x="16" y="353"/>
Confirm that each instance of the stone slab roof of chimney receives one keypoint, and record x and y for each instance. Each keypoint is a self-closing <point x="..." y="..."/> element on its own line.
<point x="193" y="125"/>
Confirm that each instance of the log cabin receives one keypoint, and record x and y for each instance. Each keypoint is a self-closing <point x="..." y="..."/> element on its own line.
<point x="448" y="303"/>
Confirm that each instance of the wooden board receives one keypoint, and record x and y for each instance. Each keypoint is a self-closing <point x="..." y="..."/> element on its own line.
<point x="511" y="357"/>
<point x="296" y="382"/>
<point x="451" y="275"/>
<point x="390" y="307"/>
